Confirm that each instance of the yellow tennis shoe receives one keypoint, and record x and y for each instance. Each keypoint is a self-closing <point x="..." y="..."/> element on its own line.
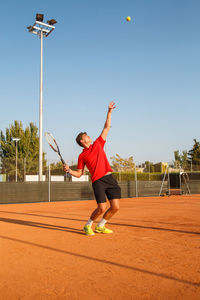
<point x="103" y="229"/>
<point x="88" y="230"/>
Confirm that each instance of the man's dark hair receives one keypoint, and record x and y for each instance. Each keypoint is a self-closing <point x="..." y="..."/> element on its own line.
<point x="79" y="138"/>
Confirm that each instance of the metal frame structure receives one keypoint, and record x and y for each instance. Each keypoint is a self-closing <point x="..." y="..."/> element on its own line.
<point x="42" y="30"/>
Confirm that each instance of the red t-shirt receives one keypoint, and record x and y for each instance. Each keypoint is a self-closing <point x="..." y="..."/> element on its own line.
<point x="95" y="160"/>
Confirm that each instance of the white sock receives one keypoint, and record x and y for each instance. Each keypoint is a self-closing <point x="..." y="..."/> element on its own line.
<point x="89" y="222"/>
<point x="102" y="222"/>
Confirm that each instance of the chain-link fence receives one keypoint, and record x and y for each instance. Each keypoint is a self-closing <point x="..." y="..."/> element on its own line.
<point x="56" y="186"/>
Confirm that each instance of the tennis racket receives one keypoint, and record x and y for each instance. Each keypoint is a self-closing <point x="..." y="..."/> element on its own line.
<point x="52" y="143"/>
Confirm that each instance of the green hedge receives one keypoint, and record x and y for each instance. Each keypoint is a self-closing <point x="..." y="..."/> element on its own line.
<point x="126" y="176"/>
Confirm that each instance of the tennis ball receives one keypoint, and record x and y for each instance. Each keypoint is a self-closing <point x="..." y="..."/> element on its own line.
<point x="128" y="19"/>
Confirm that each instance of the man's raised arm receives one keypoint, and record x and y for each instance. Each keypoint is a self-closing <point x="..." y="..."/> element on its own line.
<point x="108" y="120"/>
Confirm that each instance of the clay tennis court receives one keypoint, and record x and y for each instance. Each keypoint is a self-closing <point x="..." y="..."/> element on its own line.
<point x="154" y="252"/>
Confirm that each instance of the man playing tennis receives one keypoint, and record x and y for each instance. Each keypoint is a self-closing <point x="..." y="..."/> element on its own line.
<point x="103" y="183"/>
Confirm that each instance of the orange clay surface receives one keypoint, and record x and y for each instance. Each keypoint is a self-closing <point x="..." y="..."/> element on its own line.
<point x="153" y="253"/>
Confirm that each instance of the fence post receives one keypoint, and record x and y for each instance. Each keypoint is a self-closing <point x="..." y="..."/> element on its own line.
<point x="136" y="187"/>
<point x="49" y="183"/>
<point x="169" y="193"/>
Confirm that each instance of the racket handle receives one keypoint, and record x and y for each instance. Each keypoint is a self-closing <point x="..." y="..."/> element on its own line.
<point x="62" y="160"/>
<point x="67" y="175"/>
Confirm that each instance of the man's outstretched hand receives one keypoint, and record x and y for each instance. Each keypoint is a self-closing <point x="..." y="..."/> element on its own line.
<point x="111" y="106"/>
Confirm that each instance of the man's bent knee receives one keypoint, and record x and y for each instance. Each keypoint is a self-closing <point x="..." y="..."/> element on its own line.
<point x="114" y="209"/>
<point x="101" y="209"/>
<point x="114" y="204"/>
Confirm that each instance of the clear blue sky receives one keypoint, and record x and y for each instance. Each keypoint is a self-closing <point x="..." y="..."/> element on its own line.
<point x="150" y="66"/>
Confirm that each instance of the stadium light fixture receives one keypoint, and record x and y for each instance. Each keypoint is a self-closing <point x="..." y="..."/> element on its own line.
<point x="39" y="17"/>
<point x="51" y="22"/>
<point x="41" y="29"/>
<point x="16" y="140"/>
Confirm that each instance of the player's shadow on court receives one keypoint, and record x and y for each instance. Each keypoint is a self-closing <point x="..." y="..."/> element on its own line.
<point x="156" y="228"/>
<point x="42" y="225"/>
<point x="43" y="216"/>
<point x="103" y="261"/>
<point x="112" y="223"/>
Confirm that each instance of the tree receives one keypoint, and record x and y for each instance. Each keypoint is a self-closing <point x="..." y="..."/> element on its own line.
<point x="194" y="154"/>
<point x="28" y="150"/>
<point x="181" y="160"/>
<point x="122" y="164"/>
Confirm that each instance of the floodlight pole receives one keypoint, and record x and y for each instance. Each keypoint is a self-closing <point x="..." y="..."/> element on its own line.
<point x="16" y="164"/>
<point x="42" y="30"/>
<point x="41" y="108"/>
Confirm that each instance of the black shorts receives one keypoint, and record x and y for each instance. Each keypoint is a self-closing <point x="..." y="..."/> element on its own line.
<point x="106" y="186"/>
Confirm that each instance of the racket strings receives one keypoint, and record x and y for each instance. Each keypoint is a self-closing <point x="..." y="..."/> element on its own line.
<point x="51" y="141"/>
